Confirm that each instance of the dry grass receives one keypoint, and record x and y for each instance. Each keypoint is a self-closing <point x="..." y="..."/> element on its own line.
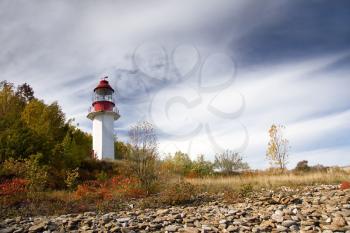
<point x="271" y="181"/>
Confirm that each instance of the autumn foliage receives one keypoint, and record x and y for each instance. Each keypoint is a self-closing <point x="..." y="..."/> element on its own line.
<point x="13" y="187"/>
<point x="345" y="185"/>
<point x="116" y="187"/>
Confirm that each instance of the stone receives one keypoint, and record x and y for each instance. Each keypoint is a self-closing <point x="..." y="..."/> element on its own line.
<point x="277" y="216"/>
<point x="171" y="228"/>
<point x="36" y="228"/>
<point x="338" y="221"/>
<point x="280" y="228"/>
<point x="126" y="230"/>
<point x="7" y="230"/>
<point x="123" y="220"/>
<point x="163" y="211"/>
<point x="267" y="224"/>
<point x="322" y="208"/>
<point x="189" y="230"/>
<point x="288" y="223"/>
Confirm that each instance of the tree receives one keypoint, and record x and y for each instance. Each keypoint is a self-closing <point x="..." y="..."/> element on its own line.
<point x="121" y="150"/>
<point x="29" y="126"/>
<point x="201" y="167"/>
<point x="302" y="166"/>
<point x="25" y="92"/>
<point x="277" y="150"/>
<point x="230" y="161"/>
<point x="144" y="155"/>
<point x="11" y="105"/>
<point x="45" y="120"/>
<point x="182" y="163"/>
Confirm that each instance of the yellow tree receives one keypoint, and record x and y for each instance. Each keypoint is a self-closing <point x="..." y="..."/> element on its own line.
<point x="277" y="149"/>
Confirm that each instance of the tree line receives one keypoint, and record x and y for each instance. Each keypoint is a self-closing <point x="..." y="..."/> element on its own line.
<point x="39" y="135"/>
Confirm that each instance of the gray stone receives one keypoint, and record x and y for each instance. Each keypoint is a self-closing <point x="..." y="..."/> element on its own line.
<point x="123" y="220"/>
<point x="288" y="223"/>
<point x="7" y="230"/>
<point x="171" y="228"/>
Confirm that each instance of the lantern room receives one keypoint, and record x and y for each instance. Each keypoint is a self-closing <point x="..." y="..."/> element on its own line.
<point x="103" y="96"/>
<point x="103" y="100"/>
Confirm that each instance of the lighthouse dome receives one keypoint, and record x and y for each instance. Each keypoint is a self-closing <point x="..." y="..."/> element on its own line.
<point x="103" y="84"/>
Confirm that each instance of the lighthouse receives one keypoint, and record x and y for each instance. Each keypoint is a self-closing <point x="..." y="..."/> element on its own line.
<point x="103" y="113"/>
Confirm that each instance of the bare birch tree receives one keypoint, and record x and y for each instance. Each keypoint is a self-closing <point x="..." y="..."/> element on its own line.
<point x="143" y="155"/>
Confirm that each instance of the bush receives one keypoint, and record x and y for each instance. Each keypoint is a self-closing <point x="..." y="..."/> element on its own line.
<point x="126" y="187"/>
<point x="246" y="190"/>
<point x="71" y="178"/>
<point x="302" y="166"/>
<point x="178" y="193"/>
<point x="116" y="187"/>
<point x="13" y="187"/>
<point x="36" y="174"/>
<point x="13" y="168"/>
<point x="29" y="169"/>
<point x="92" y="190"/>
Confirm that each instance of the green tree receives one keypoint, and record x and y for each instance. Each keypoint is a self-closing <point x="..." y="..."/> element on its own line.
<point x="47" y="121"/>
<point x="76" y="146"/>
<point x="121" y="150"/>
<point x="201" y="167"/>
<point x="17" y="140"/>
<point x="11" y="105"/>
<point x="182" y="163"/>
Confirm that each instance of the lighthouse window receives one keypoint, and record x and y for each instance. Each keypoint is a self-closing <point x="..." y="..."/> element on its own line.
<point x="103" y="94"/>
<point x="98" y="97"/>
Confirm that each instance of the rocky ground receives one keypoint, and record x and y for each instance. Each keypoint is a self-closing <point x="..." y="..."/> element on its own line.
<point x="311" y="209"/>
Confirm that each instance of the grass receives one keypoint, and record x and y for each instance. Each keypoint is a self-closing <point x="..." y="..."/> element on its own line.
<point x="271" y="181"/>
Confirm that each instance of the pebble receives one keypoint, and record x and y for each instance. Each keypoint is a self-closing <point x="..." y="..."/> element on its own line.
<point x="323" y="208"/>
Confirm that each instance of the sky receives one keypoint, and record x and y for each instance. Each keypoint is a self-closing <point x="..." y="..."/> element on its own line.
<point x="209" y="75"/>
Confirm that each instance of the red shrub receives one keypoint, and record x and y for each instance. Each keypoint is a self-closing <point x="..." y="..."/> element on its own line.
<point x="93" y="190"/>
<point x="119" y="186"/>
<point x="127" y="187"/>
<point x="345" y="185"/>
<point x="14" y="186"/>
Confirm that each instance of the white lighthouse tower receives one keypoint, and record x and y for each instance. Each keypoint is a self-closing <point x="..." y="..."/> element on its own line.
<point x="103" y="113"/>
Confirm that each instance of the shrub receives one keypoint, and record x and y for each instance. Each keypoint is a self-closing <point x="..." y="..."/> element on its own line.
<point x="13" y="168"/>
<point x="13" y="187"/>
<point x="71" y="178"/>
<point x="230" y="161"/>
<point x="29" y="169"/>
<point x="345" y="185"/>
<point x="178" y="193"/>
<point x="246" y="190"/>
<point x="127" y="187"/>
<point x="116" y="187"/>
<point x="102" y="176"/>
<point x="36" y="174"/>
<point x="93" y="190"/>
<point x="302" y="166"/>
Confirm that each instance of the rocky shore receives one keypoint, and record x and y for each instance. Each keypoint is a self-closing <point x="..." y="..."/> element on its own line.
<point x="310" y="209"/>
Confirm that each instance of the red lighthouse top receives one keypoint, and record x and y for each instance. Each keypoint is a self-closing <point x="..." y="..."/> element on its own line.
<point x="103" y="101"/>
<point x="104" y="84"/>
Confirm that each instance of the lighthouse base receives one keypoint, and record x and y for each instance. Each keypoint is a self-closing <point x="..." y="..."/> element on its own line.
<point x="103" y="135"/>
